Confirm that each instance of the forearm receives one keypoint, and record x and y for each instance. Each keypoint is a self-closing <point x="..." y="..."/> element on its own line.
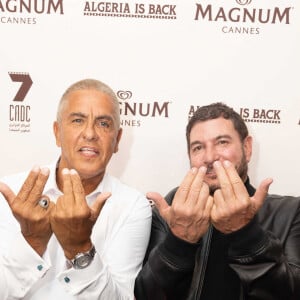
<point x="118" y="258"/>
<point x="95" y="282"/>
<point x="169" y="268"/>
<point x="260" y="261"/>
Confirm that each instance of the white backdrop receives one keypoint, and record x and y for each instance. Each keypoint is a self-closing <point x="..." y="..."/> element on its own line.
<point x="163" y="58"/>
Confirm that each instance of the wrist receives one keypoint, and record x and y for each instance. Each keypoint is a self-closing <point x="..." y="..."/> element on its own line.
<point x="71" y="252"/>
<point x="38" y="245"/>
<point x="82" y="259"/>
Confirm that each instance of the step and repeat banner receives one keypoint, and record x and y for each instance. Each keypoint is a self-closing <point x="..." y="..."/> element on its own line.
<point x="164" y="59"/>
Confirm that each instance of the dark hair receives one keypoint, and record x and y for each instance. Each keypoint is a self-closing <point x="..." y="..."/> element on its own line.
<point x="214" y="111"/>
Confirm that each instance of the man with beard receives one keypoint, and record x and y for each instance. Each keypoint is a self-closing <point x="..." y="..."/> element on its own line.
<point x="216" y="237"/>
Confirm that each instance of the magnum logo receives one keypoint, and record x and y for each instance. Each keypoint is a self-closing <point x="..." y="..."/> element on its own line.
<point x="244" y="15"/>
<point x="248" y="18"/>
<point x="132" y="112"/>
<point x="25" y="11"/>
<point x="243" y="2"/>
<point x="32" y="6"/>
<point x="124" y="95"/>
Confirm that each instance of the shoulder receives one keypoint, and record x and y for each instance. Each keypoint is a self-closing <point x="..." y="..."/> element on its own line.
<point x="117" y="186"/>
<point x="279" y="213"/>
<point x="282" y="202"/>
<point x="122" y="192"/>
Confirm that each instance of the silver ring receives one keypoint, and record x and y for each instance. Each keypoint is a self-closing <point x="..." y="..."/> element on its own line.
<point x="44" y="203"/>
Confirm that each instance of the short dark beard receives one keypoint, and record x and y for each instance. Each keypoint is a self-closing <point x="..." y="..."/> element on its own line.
<point x="242" y="170"/>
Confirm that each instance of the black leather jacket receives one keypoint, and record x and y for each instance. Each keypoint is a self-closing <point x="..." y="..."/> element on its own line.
<point x="263" y="257"/>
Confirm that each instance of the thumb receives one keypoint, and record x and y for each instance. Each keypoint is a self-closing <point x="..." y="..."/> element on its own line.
<point x="160" y="203"/>
<point x="262" y="192"/>
<point x="98" y="204"/>
<point x="8" y="194"/>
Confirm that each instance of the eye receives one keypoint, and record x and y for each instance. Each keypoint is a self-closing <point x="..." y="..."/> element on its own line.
<point x="197" y="148"/>
<point x="78" y="121"/>
<point x="103" y="124"/>
<point x="223" y="142"/>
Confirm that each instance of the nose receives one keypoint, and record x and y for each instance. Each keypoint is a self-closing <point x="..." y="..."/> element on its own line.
<point x="210" y="155"/>
<point x="89" y="133"/>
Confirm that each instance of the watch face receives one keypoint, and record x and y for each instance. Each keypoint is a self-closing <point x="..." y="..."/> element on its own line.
<point x="83" y="260"/>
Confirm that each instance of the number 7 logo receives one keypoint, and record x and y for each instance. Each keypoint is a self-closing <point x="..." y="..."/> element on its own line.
<point x="25" y="86"/>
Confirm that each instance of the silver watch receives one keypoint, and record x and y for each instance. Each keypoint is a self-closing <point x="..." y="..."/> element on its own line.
<point x="82" y="260"/>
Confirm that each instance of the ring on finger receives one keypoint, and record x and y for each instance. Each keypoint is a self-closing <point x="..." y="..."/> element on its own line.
<point x="44" y="203"/>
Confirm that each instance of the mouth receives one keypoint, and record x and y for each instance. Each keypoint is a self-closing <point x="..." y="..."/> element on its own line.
<point x="211" y="176"/>
<point x="210" y="173"/>
<point x="89" y="151"/>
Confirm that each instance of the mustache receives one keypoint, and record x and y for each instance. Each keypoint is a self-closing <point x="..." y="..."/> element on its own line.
<point x="242" y="168"/>
<point x="210" y="168"/>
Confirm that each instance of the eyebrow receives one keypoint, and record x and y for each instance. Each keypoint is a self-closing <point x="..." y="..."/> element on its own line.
<point x="82" y="115"/>
<point x="219" y="137"/>
<point x="106" y="118"/>
<point x="227" y="136"/>
<point x="77" y="114"/>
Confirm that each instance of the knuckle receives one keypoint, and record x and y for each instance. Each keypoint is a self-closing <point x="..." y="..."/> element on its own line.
<point x="184" y="189"/>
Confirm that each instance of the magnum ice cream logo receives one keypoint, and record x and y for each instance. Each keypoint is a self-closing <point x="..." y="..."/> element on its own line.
<point x="241" y="17"/>
<point x="124" y="95"/>
<point x="243" y="2"/>
<point x="19" y="113"/>
<point x="32" y="6"/>
<point x="133" y="112"/>
<point x="129" y="10"/>
<point x="25" y="11"/>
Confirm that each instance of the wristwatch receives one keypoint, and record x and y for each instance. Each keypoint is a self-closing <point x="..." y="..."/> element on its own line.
<point x="82" y="260"/>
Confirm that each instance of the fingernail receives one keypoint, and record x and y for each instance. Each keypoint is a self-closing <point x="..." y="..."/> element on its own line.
<point x="65" y="171"/>
<point x="35" y="168"/>
<point x="203" y="169"/>
<point x="194" y="170"/>
<point x="227" y="163"/>
<point x="73" y="171"/>
<point x="217" y="164"/>
<point x="45" y="171"/>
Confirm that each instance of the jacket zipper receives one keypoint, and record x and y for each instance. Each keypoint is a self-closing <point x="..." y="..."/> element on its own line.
<point x="206" y="247"/>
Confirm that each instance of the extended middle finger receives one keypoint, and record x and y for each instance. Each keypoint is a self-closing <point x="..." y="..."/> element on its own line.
<point x="28" y="184"/>
<point x="196" y="191"/>
<point x="78" y="191"/>
<point x="224" y="181"/>
<point x="38" y="186"/>
<point x="68" y="197"/>
<point x="184" y="188"/>
<point x="236" y="182"/>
